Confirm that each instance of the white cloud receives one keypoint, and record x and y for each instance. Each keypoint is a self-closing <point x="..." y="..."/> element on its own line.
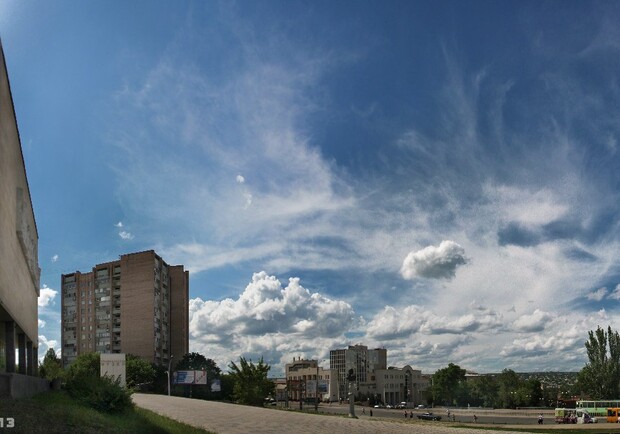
<point x="536" y="322"/>
<point x="41" y="323"/>
<point x="265" y="311"/>
<point x="126" y="235"/>
<point x="240" y="179"/>
<point x="434" y="262"/>
<point x="119" y="225"/>
<point x="46" y="296"/>
<point x="55" y="258"/>
<point x="45" y="344"/>
<point x="597" y="295"/>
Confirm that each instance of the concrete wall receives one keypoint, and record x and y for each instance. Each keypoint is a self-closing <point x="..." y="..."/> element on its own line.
<point x="19" y="268"/>
<point x="22" y="386"/>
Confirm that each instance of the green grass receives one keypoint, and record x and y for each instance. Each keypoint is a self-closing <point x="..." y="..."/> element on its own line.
<point x="57" y="412"/>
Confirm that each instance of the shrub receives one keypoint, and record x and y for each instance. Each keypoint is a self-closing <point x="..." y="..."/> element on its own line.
<point x="101" y="393"/>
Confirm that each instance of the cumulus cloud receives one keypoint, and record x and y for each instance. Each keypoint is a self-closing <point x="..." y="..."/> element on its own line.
<point x="266" y="307"/>
<point x="126" y="235"/>
<point x="240" y="179"/>
<point x="434" y="262"/>
<point x="119" y="225"/>
<point x="597" y="295"/>
<point x="54" y="258"/>
<point x="46" y="296"/>
<point x="41" y="323"/>
<point x="266" y="313"/>
<point x="393" y="323"/>
<point x="535" y="322"/>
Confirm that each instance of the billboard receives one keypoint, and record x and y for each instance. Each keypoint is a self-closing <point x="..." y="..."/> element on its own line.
<point x="189" y="377"/>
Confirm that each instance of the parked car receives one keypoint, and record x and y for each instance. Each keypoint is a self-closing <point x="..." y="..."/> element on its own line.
<point x="401" y="405"/>
<point x="388" y="406"/>
<point x="420" y="406"/>
<point x="428" y="416"/>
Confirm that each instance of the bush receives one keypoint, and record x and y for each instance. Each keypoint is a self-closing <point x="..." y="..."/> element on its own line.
<point x="101" y="393"/>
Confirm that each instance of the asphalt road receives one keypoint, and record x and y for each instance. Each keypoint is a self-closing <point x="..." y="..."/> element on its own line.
<point x="496" y="417"/>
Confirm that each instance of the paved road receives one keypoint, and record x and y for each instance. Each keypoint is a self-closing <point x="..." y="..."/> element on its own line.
<point x="224" y="418"/>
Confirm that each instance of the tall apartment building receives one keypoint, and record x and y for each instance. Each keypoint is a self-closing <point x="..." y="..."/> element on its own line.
<point x="138" y="304"/>
<point x="364" y="363"/>
<point x="19" y="264"/>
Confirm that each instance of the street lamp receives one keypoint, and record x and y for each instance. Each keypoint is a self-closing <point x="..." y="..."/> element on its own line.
<point x="168" y="372"/>
<point x="316" y="391"/>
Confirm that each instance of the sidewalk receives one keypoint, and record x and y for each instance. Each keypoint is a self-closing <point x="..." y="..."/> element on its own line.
<point x="221" y="418"/>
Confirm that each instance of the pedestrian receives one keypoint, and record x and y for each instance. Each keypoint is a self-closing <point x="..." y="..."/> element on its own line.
<point x="411" y="414"/>
<point x="363" y="410"/>
<point x="405" y="414"/>
<point x="540" y="419"/>
<point x="475" y="418"/>
<point x="371" y="412"/>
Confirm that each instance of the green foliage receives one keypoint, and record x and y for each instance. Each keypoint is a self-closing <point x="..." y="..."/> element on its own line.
<point x="85" y="384"/>
<point x="251" y="385"/>
<point x="139" y="372"/>
<point x="84" y="364"/>
<point x="508" y="382"/>
<point x="484" y="392"/>
<point x="600" y="378"/>
<point x="447" y="383"/>
<point x="51" y="368"/>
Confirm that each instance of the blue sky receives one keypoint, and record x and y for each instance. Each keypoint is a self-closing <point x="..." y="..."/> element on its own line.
<point x="436" y="178"/>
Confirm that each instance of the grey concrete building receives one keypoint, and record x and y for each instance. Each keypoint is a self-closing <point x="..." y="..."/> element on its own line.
<point x="364" y="363"/>
<point x="396" y="385"/>
<point x="19" y="264"/>
<point x="138" y="304"/>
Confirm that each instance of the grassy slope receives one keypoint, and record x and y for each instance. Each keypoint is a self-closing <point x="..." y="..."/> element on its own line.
<point x="56" y="412"/>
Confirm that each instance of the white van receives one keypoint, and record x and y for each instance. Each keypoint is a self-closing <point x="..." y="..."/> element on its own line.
<point x="584" y="417"/>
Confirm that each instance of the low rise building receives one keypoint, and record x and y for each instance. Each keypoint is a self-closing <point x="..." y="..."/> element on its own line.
<point x="302" y="385"/>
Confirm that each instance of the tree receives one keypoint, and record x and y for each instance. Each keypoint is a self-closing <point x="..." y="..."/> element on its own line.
<point x="508" y="382"/>
<point x="51" y="368"/>
<point x="484" y="391"/>
<point x="139" y="372"/>
<point x="446" y="384"/>
<point x="251" y="385"/>
<point x="600" y="377"/>
<point x="86" y="364"/>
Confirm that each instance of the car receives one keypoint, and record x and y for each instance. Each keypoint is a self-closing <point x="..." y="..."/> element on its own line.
<point x="428" y="416"/>
<point x="378" y="406"/>
<point x="388" y="406"/>
<point x="421" y="406"/>
<point x="401" y="405"/>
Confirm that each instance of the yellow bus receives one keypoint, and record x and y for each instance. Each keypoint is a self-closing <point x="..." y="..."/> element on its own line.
<point x="612" y="414"/>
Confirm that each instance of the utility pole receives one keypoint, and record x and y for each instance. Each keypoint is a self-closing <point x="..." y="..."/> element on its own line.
<point x="168" y="372"/>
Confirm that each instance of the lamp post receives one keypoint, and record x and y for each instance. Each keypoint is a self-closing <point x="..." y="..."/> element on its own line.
<point x="168" y="372"/>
